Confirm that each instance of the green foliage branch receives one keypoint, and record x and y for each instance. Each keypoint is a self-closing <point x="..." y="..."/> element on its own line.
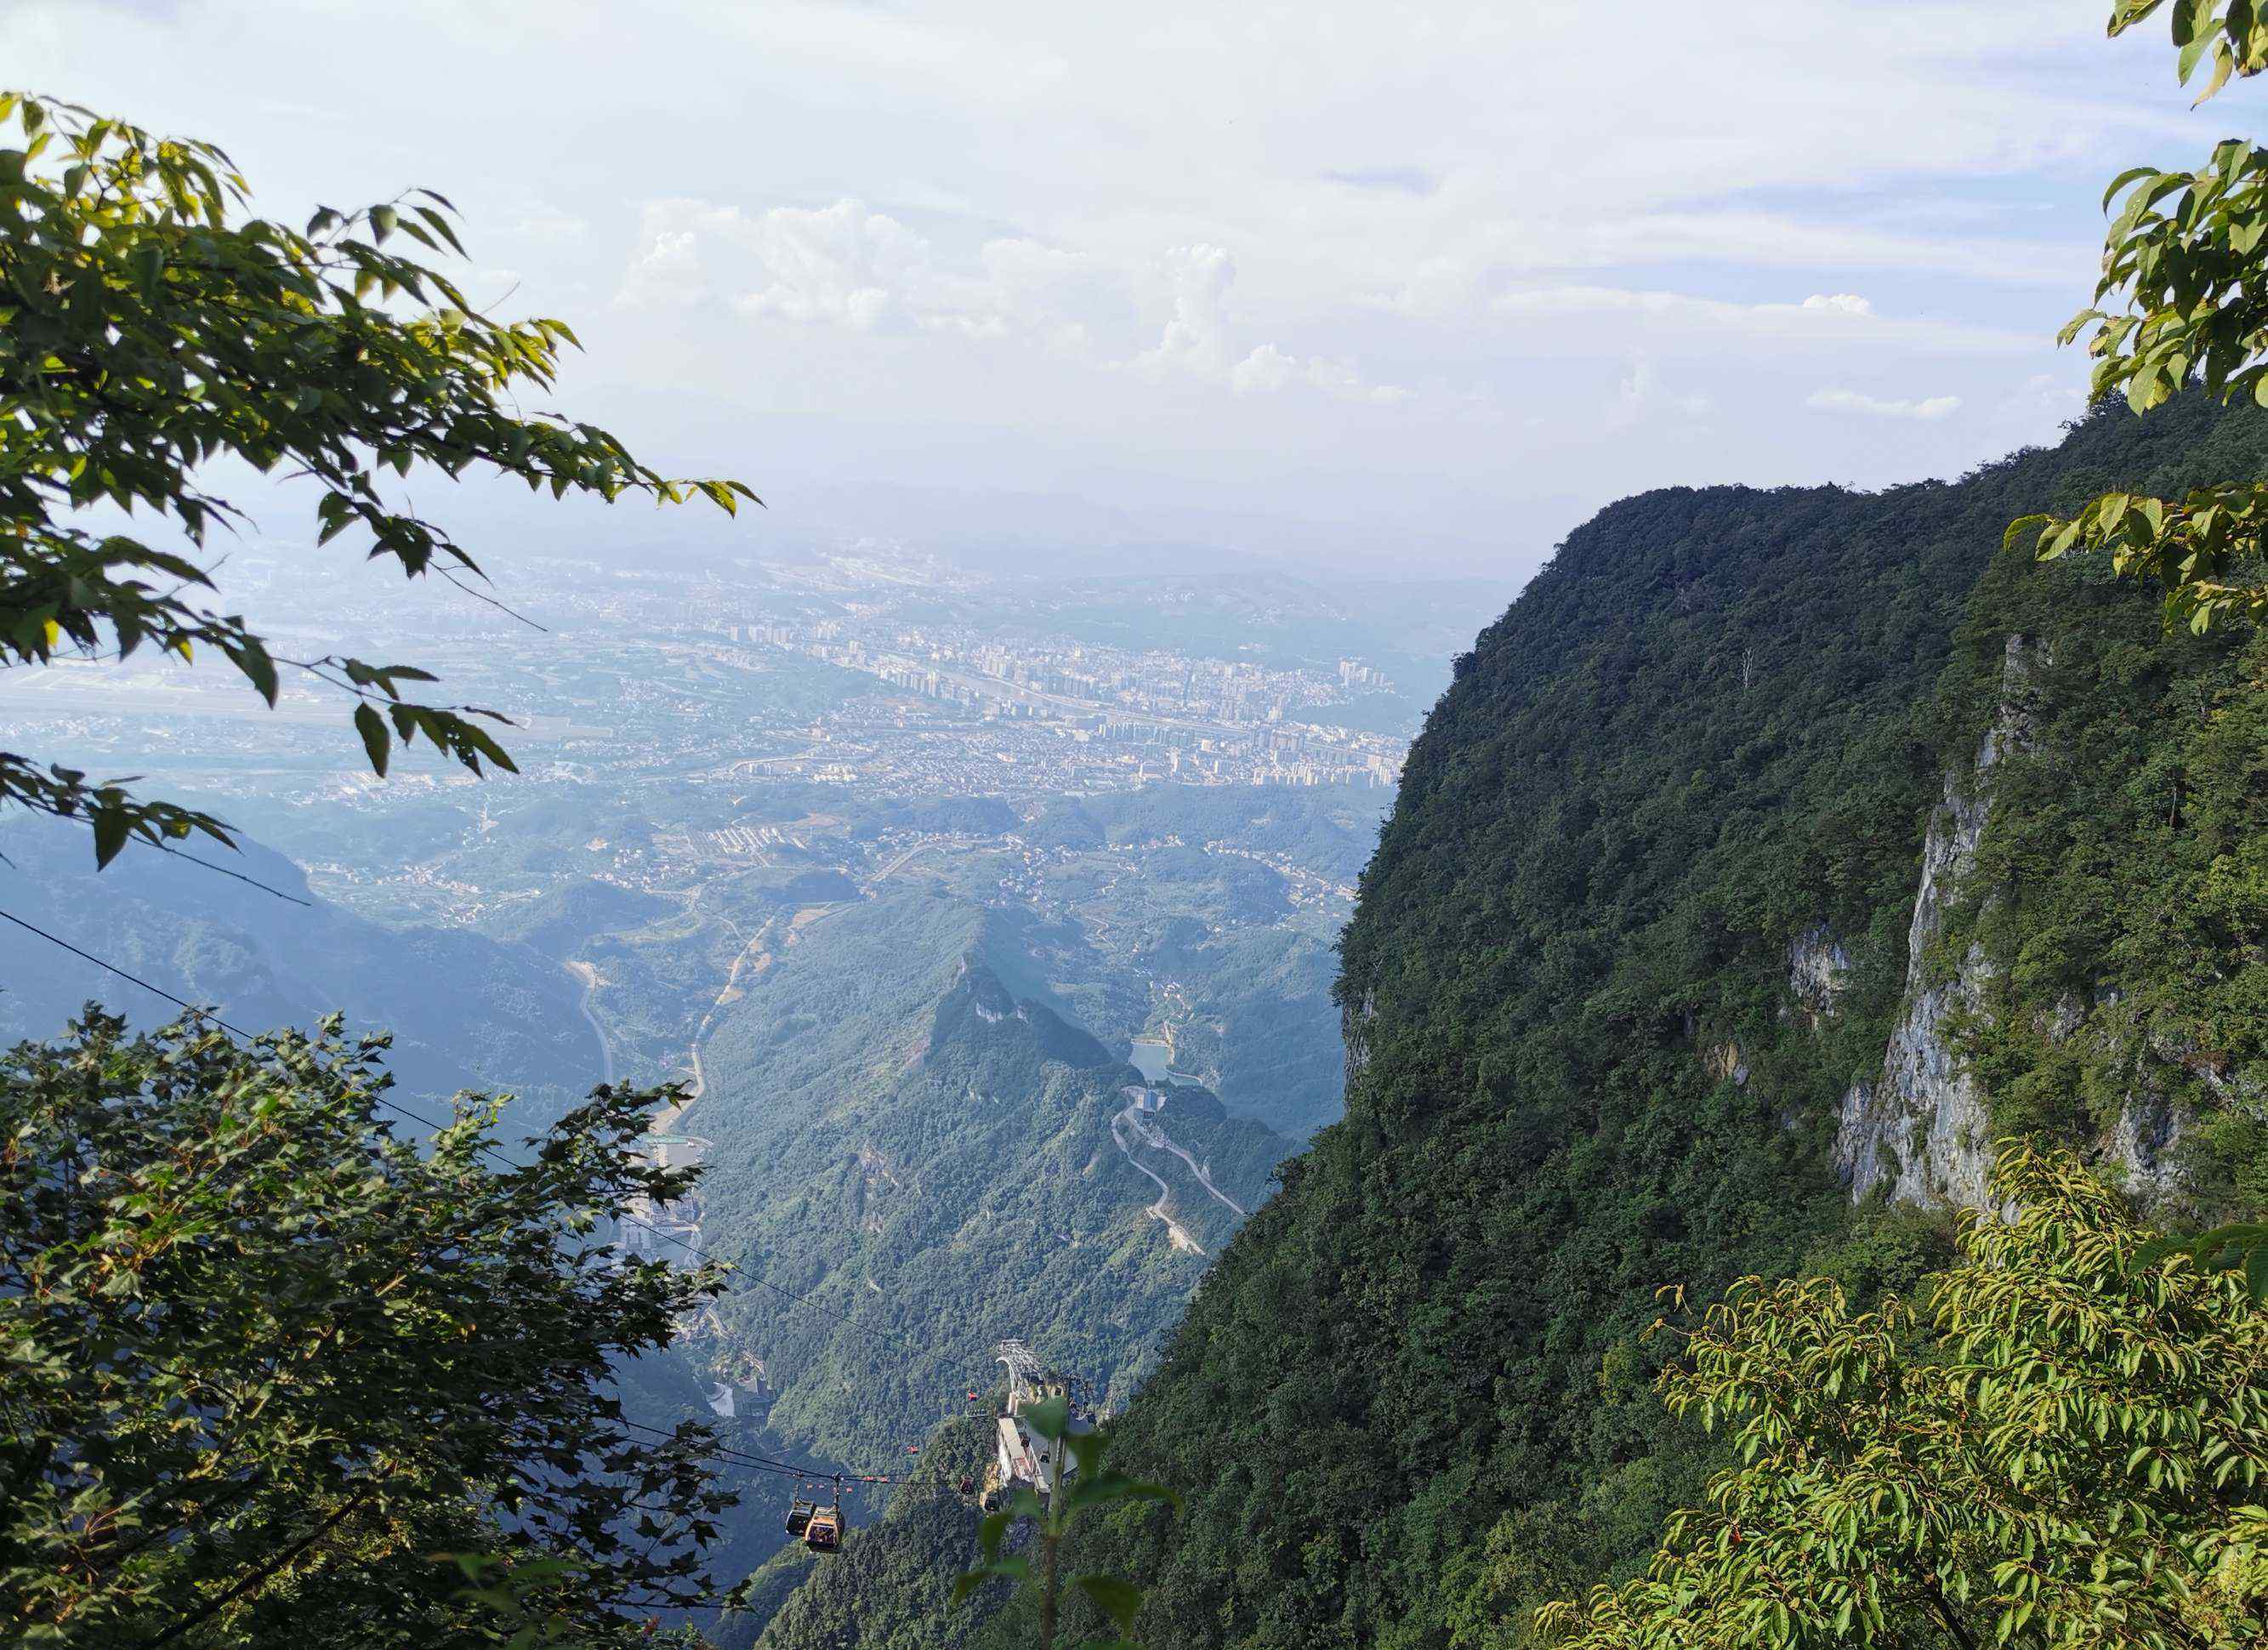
<point x="1085" y="1484"/>
<point x="2184" y="255"/>
<point x="2063" y="1448"/>
<point x="263" y="1361"/>
<point x="2186" y="251"/>
<point x="147" y="328"/>
<point x="2241" y="1247"/>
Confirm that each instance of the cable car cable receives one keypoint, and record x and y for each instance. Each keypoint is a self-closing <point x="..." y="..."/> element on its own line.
<point x="490" y="1147"/>
<point x="726" y="1452"/>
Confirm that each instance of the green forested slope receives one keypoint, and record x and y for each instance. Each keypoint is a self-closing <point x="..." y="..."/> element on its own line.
<point x="465" y="1011"/>
<point x="891" y="1587"/>
<point x="929" y="1164"/>
<point x="2119" y="906"/>
<point x="1410" y="1399"/>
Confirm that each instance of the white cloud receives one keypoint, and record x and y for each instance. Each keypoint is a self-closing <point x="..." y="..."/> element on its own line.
<point x="838" y="266"/>
<point x="1263" y="372"/>
<point x="667" y="272"/>
<point x="861" y="272"/>
<point x="1642" y="395"/>
<point x="842" y="265"/>
<point x="1195" y="339"/>
<point x="888" y="220"/>
<point x="1851" y="400"/>
<point x="1702" y="317"/>
<point x="1268" y="370"/>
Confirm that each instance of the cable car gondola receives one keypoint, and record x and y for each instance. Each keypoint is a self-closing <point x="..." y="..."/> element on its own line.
<point x="822" y="1530"/>
<point x="800" y="1513"/>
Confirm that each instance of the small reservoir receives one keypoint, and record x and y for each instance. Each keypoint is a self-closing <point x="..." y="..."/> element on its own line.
<point x="1151" y="1057"/>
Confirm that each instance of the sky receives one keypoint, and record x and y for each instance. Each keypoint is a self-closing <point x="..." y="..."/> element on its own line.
<point x="1424" y="284"/>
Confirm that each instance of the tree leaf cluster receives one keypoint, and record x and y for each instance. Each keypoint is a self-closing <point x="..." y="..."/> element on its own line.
<point x="2062" y="1446"/>
<point x="265" y="1358"/>
<point x="148" y="328"/>
<point x="2184" y="260"/>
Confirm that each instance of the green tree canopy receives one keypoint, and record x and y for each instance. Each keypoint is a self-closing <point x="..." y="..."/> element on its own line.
<point x="147" y="328"/>
<point x="2063" y="1448"/>
<point x="263" y="1360"/>
<point x="2183" y="294"/>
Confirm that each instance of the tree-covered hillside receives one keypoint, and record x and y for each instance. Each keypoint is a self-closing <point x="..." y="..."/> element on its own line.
<point x="1410" y="1402"/>
<point x="465" y="1011"/>
<point x="890" y="1587"/>
<point x="930" y="1163"/>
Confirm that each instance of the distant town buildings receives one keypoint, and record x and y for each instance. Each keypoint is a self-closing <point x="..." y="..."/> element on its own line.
<point x="1142" y="715"/>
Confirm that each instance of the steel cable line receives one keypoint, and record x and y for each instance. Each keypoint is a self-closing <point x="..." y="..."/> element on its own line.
<point x="492" y="1150"/>
<point x="725" y="1452"/>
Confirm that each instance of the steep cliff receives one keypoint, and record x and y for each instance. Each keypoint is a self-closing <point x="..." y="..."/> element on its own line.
<point x="2097" y="946"/>
<point x="1923" y="1128"/>
<point x="1749" y="863"/>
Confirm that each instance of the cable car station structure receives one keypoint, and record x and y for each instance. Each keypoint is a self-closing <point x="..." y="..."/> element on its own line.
<point x="1022" y="1459"/>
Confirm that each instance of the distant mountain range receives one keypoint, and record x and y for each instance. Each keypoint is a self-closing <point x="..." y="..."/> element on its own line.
<point x="465" y="1010"/>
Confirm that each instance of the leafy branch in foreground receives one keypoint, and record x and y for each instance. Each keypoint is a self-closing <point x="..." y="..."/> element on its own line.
<point x="1085" y="1484"/>
<point x="264" y="1360"/>
<point x="2242" y="1248"/>
<point x="147" y="328"/>
<point x="2184" y="255"/>
<point x="2063" y="1449"/>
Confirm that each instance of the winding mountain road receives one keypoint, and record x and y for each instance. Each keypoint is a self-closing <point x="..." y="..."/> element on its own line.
<point x="1158" y="1137"/>
<point x="1175" y="1230"/>
<point x="589" y="976"/>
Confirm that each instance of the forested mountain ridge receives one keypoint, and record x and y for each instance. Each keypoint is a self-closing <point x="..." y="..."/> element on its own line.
<point x="1688" y="779"/>
<point x="930" y="1162"/>
<point x="465" y="1011"/>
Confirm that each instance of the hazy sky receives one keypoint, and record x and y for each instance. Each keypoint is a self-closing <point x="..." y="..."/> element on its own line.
<point x="1453" y="275"/>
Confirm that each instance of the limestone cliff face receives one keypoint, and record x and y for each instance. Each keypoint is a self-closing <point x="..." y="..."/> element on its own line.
<point x="1818" y="971"/>
<point x="1354" y="1031"/>
<point x="1923" y="1127"/>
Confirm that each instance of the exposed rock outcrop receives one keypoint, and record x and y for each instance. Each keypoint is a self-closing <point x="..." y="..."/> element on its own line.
<point x="1354" y="1031"/>
<point x="1725" y="1062"/>
<point x="1818" y="969"/>
<point x="2141" y="1142"/>
<point x="1923" y="1127"/>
